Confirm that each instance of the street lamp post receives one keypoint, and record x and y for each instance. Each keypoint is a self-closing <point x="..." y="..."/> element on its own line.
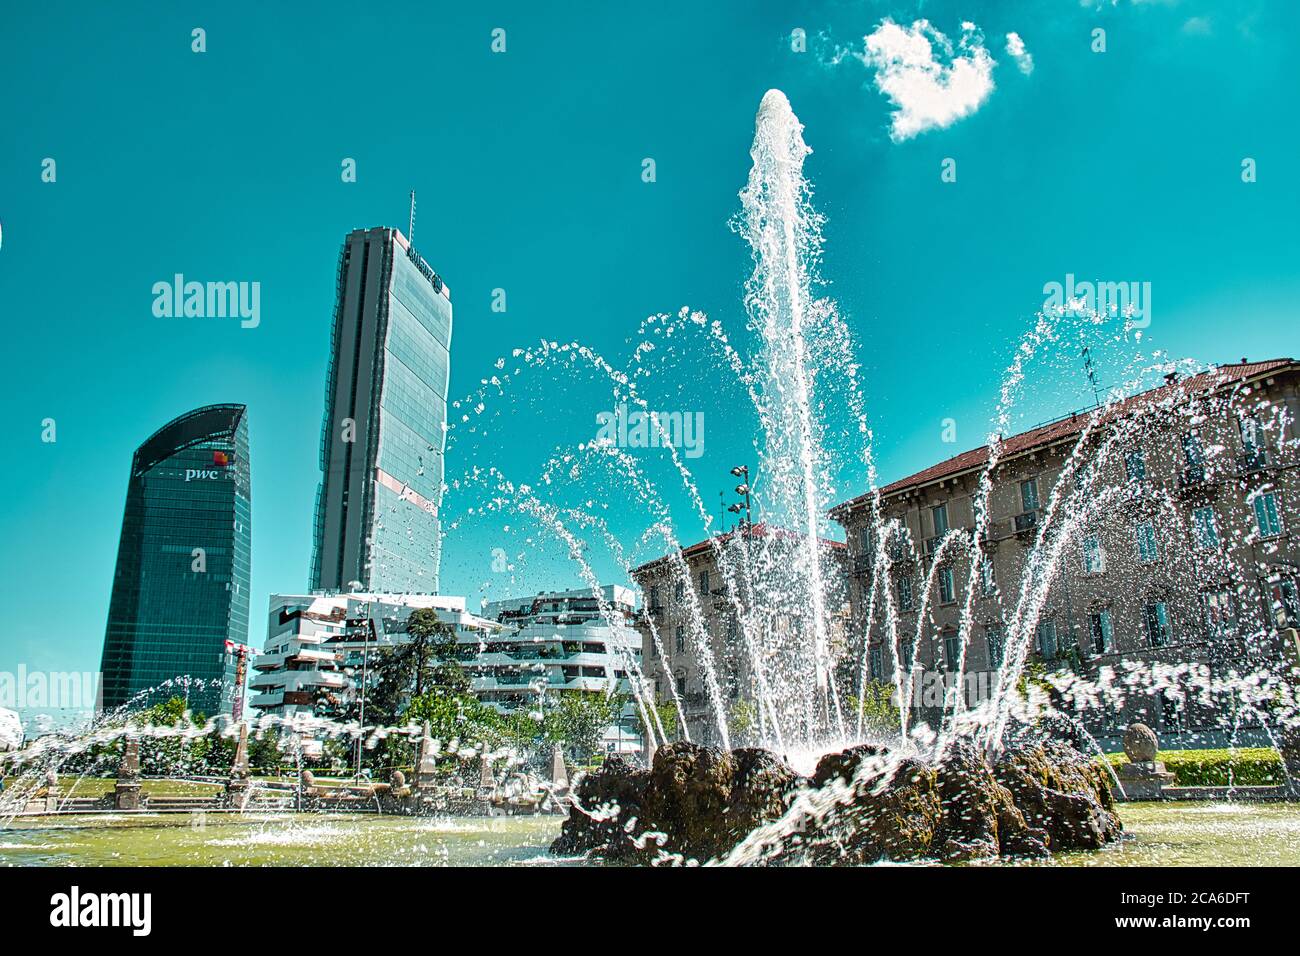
<point x="361" y="690"/>
<point x="747" y="523"/>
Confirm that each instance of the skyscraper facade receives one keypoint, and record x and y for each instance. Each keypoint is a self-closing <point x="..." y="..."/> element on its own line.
<point x="383" y="435"/>
<point x="181" y="586"/>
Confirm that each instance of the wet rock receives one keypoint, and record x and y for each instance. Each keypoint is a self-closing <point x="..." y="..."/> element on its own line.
<point x="1063" y="793"/>
<point x="860" y="806"/>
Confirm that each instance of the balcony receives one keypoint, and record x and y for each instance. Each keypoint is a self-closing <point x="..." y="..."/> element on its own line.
<point x="1026" y="524"/>
<point x="863" y="565"/>
<point x="268" y="662"/>
<point x="1251" y="461"/>
<point x="1194" y="478"/>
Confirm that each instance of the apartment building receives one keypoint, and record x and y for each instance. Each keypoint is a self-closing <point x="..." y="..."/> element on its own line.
<point x="319" y="646"/>
<point x="694" y="601"/>
<point x="1171" y="541"/>
<point x="563" y="642"/>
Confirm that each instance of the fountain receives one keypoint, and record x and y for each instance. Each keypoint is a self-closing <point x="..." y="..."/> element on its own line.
<point x="816" y="779"/>
<point x="988" y="781"/>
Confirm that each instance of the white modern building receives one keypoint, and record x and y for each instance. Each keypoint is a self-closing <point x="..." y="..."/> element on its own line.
<point x="562" y="642"/>
<point x="319" y="645"/>
<point x="11" y="730"/>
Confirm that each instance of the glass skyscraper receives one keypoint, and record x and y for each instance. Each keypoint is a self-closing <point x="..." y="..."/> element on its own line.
<point x="181" y="587"/>
<point x="383" y="436"/>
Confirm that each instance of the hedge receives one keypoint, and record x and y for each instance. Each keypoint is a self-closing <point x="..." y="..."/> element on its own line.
<point x="1247" y="766"/>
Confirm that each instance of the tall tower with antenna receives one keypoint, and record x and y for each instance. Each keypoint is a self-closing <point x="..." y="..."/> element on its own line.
<point x="384" y="430"/>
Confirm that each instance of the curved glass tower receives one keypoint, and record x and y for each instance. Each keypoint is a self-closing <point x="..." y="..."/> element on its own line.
<point x="181" y="588"/>
<point x="384" y="431"/>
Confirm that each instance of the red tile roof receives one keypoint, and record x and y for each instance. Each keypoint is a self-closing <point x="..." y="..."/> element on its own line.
<point x="760" y="530"/>
<point x="1062" y="428"/>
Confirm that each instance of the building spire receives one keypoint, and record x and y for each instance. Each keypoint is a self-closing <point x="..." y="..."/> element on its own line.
<point x="410" y="226"/>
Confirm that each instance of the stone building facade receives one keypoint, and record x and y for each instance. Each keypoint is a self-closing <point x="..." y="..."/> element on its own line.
<point x="690" y="604"/>
<point x="1172" y="541"/>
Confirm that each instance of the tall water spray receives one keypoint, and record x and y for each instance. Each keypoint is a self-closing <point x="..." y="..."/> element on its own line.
<point x="784" y="233"/>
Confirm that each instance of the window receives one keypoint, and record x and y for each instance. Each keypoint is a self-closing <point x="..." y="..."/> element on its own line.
<point x="654" y="650"/>
<point x="1286" y="607"/>
<point x="1267" y="521"/>
<point x="1204" y="528"/>
<point x="681" y="685"/>
<point x="988" y="585"/>
<point x="1253" y="456"/>
<point x="1148" y="549"/>
<point x="939" y="517"/>
<point x="877" y="664"/>
<point x="1094" y="558"/>
<point x="704" y="581"/>
<point x="1157" y="623"/>
<point x="947" y="590"/>
<point x="679" y="592"/>
<point x="1220" y="618"/>
<point x="867" y="543"/>
<point x="1102" y="631"/>
<point x="907" y="655"/>
<point x="1193" y="451"/>
<point x="1135" y="464"/>
<point x="1029" y="495"/>
<point x="951" y="649"/>
<point x="905" y="593"/>
<point x="995" y="637"/>
<point x="1173" y="713"/>
<point x="681" y="638"/>
<point x="1047" y="645"/>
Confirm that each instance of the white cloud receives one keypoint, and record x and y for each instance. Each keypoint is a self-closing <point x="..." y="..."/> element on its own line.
<point x="931" y="84"/>
<point x="1016" y="50"/>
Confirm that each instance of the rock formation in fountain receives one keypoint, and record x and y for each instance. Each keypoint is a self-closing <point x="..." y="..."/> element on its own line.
<point x="861" y="805"/>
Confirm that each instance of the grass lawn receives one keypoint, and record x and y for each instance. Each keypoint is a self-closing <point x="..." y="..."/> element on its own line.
<point x="99" y="786"/>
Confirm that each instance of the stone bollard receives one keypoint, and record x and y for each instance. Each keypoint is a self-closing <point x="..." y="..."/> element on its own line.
<point x="51" y="790"/>
<point x="1143" y="777"/>
<point x="559" y="773"/>
<point x="426" y="766"/>
<point x="237" y="783"/>
<point x="126" y="792"/>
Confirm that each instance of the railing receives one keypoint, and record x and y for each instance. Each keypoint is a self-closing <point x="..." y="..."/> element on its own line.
<point x="1026" y="522"/>
<point x="1252" y="461"/>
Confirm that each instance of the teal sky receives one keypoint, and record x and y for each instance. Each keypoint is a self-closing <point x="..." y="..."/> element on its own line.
<point x="225" y="165"/>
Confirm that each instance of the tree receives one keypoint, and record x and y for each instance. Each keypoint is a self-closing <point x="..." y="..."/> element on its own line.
<point x="425" y="661"/>
<point x="264" y="750"/>
<point x="580" y="720"/>
<point x="667" y="713"/>
<point x="880" y="714"/>
<point x="744" y="717"/>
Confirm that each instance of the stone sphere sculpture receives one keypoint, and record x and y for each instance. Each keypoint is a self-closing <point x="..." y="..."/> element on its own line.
<point x="398" y="780"/>
<point x="308" y="779"/>
<point x="1140" y="743"/>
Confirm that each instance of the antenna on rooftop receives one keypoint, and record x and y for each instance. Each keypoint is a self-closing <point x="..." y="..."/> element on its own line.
<point x="1091" y="373"/>
<point x="410" y="227"/>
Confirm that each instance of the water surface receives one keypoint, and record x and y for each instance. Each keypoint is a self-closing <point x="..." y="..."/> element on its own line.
<point x="1184" y="834"/>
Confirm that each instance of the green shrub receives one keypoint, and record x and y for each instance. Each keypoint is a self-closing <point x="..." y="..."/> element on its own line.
<point x="1247" y="766"/>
